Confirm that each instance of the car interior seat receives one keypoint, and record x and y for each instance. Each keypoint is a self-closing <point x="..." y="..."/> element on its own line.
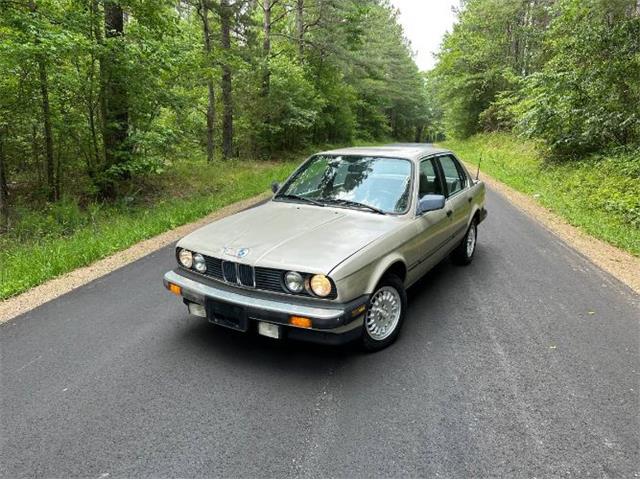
<point x="429" y="186"/>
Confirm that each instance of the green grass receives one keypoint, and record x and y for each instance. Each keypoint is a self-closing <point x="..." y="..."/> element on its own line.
<point x="56" y="239"/>
<point x="599" y="194"/>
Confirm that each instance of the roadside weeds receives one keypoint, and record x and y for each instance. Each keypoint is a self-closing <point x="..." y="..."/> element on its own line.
<point x="15" y="306"/>
<point x="616" y="262"/>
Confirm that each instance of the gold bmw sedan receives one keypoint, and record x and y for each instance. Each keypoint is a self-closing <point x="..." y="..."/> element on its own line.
<point x="328" y="259"/>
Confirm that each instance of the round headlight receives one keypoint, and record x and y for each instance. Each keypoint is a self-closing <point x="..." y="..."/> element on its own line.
<point x="186" y="258"/>
<point x="294" y="282"/>
<point x="198" y="263"/>
<point x="320" y="285"/>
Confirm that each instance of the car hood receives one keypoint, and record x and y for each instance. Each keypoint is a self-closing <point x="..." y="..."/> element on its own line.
<point x="290" y="236"/>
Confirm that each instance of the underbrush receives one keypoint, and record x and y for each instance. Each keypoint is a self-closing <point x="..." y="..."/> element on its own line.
<point x="599" y="194"/>
<point x="50" y="240"/>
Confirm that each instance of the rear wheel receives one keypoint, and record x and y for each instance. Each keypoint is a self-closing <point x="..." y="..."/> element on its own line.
<point x="463" y="254"/>
<point x="385" y="315"/>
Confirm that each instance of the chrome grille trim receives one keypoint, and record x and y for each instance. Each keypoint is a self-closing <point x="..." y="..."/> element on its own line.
<point x="260" y="278"/>
<point x="245" y="274"/>
<point x="230" y="274"/>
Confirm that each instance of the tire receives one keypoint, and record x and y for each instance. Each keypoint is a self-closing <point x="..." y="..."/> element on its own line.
<point x="389" y="290"/>
<point x="463" y="253"/>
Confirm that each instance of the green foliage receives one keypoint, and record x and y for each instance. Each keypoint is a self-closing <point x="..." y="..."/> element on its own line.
<point x="45" y="244"/>
<point x="566" y="72"/>
<point x="587" y="94"/>
<point x="493" y="43"/>
<point x="292" y="107"/>
<point x="333" y="82"/>
<point x="600" y="193"/>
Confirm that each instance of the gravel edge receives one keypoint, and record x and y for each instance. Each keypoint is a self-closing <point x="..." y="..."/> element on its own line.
<point x="616" y="262"/>
<point x="51" y="289"/>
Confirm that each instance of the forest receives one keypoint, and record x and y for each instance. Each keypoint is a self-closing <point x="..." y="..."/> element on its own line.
<point x="566" y="72"/>
<point x="545" y="94"/>
<point x="94" y="93"/>
<point x="120" y="119"/>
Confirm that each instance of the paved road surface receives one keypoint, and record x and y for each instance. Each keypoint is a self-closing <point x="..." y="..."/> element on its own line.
<point x="526" y="363"/>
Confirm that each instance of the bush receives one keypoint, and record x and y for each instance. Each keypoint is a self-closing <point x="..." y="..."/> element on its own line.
<point x="600" y="193"/>
<point x="586" y="96"/>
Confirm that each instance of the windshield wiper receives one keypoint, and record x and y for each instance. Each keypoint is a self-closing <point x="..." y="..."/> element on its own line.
<point x="300" y="197"/>
<point x="352" y="203"/>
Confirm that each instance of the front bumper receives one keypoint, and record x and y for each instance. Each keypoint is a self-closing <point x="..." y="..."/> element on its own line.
<point x="332" y="323"/>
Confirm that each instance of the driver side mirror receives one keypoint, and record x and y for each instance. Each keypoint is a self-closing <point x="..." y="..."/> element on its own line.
<point x="275" y="186"/>
<point x="430" y="202"/>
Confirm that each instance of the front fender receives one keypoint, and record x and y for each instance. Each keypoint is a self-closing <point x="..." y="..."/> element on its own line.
<point x="364" y="280"/>
<point x="382" y="266"/>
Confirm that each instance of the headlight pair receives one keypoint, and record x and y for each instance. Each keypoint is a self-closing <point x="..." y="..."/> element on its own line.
<point x="189" y="259"/>
<point x="319" y="285"/>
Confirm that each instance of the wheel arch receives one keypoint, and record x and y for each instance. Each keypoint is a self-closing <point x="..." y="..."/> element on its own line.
<point x="393" y="264"/>
<point x="475" y="216"/>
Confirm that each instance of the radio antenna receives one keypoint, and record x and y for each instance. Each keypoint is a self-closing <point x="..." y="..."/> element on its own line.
<point x="478" y="170"/>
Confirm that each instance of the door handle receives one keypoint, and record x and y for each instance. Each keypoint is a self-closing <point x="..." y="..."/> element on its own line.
<point x="449" y="212"/>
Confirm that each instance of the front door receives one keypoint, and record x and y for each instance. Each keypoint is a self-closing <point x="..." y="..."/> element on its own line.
<point x="433" y="229"/>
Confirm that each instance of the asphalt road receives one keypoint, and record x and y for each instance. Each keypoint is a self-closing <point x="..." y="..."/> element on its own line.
<point x="525" y="363"/>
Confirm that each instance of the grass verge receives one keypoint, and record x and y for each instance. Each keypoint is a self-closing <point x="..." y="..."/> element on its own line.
<point x="62" y="237"/>
<point x="599" y="194"/>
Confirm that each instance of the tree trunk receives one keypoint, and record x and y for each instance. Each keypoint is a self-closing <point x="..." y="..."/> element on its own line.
<point x="102" y="72"/>
<point x="419" y="130"/>
<point x="92" y="114"/>
<point x="48" y="135"/>
<point x="226" y="86"/>
<point x="115" y="106"/>
<point x="211" y="105"/>
<point x="35" y="151"/>
<point x="266" y="47"/>
<point x="300" y="27"/>
<point x="92" y="164"/>
<point x="4" y="193"/>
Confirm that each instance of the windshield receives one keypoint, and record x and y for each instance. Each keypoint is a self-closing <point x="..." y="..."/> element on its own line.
<point x="353" y="181"/>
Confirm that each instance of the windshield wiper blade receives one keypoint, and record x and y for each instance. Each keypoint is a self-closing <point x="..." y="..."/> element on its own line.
<point x="300" y="197"/>
<point x="352" y="203"/>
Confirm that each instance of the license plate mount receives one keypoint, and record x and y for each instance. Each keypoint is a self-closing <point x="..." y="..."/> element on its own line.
<point x="227" y="315"/>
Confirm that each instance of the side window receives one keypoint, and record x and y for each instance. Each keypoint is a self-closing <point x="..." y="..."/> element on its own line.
<point x="453" y="175"/>
<point x="429" y="181"/>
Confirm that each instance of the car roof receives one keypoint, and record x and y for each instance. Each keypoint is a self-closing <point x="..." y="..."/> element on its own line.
<point x="411" y="151"/>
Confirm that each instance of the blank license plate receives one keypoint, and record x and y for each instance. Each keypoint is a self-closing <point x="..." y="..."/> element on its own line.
<point x="227" y="315"/>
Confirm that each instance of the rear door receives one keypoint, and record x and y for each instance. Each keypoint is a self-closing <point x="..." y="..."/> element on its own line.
<point x="458" y="202"/>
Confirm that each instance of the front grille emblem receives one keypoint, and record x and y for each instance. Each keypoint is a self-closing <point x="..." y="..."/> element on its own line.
<point x="236" y="252"/>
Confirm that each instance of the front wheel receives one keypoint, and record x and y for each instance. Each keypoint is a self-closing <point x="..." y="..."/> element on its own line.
<point x="463" y="254"/>
<point x="385" y="315"/>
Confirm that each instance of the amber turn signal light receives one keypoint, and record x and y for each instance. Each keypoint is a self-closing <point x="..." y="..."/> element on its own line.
<point x="176" y="289"/>
<point x="302" y="322"/>
<point x="357" y="311"/>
